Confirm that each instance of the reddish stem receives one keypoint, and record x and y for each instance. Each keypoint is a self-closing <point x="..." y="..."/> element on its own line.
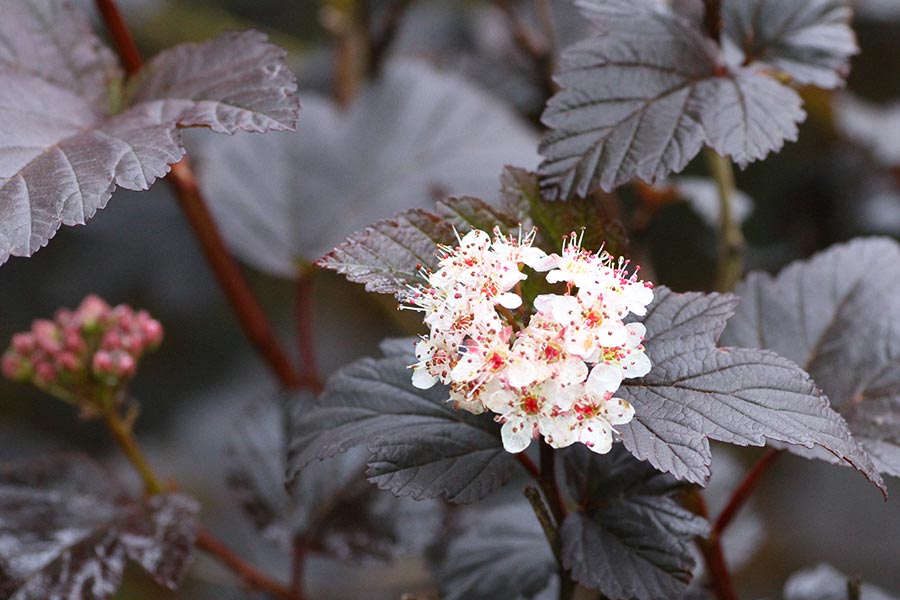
<point x="549" y="484"/>
<point x="529" y="465"/>
<point x="121" y="36"/>
<point x="306" y="344"/>
<point x="182" y="179"/>
<point x="719" y="577"/>
<point x="248" y="574"/>
<point x="743" y="492"/>
<point x="712" y="21"/>
<point x="252" y="318"/>
<point x="298" y="565"/>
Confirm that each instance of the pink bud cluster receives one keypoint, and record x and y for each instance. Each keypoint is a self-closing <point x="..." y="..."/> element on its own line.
<point x="551" y="368"/>
<point x="95" y="344"/>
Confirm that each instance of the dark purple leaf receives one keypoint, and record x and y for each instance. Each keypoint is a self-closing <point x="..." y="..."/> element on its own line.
<point x="810" y="40"/>
<point x="330" y="507"/>
<point x="66" y="532"/>
<point x="388" y="255"/>
<point x="501" y="552"/>
<point x="641" y="99"/>
<point x="838" y="316"/>
<point x="630" y="539"/>
<point x="66" y="145"/>
<point x="741" y="396"/>
<point x="415" y="136"/>
<point x="419" y="445"/>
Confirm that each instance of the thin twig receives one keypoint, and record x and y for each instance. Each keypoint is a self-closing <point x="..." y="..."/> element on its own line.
<point x="306" y="343"/>
<point x="549" y="484"/>
<point x="530" y="43"/>
<point x="125" y="438"/>
<point x="711" y="548"/>
<point x="121" y="36"/>
<point x="731" y="238"/>
<point x="743" y="492"/>
<point x="545" y="18"/>
<point x="543" y="516"/>
<point x="247" y="573"/>
<point x="529" y="465"/>
<point x="712" y="21"/>
<point x="380" y="44"/>
<point x="341" y="18"/>
<point x="250" y="314"/>
<point x="298" y="565"/>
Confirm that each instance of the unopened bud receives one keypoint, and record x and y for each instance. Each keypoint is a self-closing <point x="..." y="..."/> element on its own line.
<point x="124" y="316"/>
<point x="23" y="343"/>
<point x="15" y="367"/>
<point x="102" y="364"/>
<point x="111" y="341"/>
<point x="152" y="331"/>
<point x="68" y="361"/>
<point x="125" y="366"/>
<point x="47" y="336"/>
<point x="74" y="341"/>
<point x="44" y="373"/>
<point x="93" y="312"/>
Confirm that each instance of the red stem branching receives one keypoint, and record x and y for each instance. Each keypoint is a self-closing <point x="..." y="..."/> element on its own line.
<point x="743" y="492"/>
<point x="252" y="318"/>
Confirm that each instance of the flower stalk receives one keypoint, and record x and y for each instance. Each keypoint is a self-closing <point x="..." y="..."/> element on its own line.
<point x="731" y="238"/>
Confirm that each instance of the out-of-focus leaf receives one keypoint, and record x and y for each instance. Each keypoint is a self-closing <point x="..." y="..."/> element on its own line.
<point x="702" y="196"/>
<point x="630" y="538"/>
<point x="416" y="136"/>
<point x="874" y="127"/>
<point x="520" y="193"/>
<point x="500" y="553"/>
<point x="827" y="583"/>
<point x="66" y="532"/>
<point x="741" y="396"/>
<point x="330" y="507"/>
<point x="810" y="40"/>
<point x="641" y="98"/>
<point x="63" y="150"/>
<point x="388" y="255"/>
<point x="837" y="316"/>
<point x="419" y="445"/>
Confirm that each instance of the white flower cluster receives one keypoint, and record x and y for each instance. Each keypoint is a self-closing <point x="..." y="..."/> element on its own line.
<point x="553" y="371"/>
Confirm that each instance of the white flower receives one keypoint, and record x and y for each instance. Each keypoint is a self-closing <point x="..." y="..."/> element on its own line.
<point x="547" y="370"/>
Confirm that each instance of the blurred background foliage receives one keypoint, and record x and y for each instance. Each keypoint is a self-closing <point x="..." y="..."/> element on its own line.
<point x="837" y="182"/>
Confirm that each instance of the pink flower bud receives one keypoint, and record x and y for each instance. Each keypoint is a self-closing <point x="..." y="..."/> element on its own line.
<point x="67" y="361"/>
<point x="125" y="366"/>
<point x="63" y="316"/>
<point x="132" y="344"/>
<point x="124" y="316"/>
<point x="152" y="331"/>
<point x="44" y="373"/>
<point x="93" y="312"/>
<point x="47" y="336"/>
<point x="111" y="341"/>
<point x="23" y="343"/>
<point x="15" y="367"/>
<point x="74" y="341"/>
<point x="102" y="364"/>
